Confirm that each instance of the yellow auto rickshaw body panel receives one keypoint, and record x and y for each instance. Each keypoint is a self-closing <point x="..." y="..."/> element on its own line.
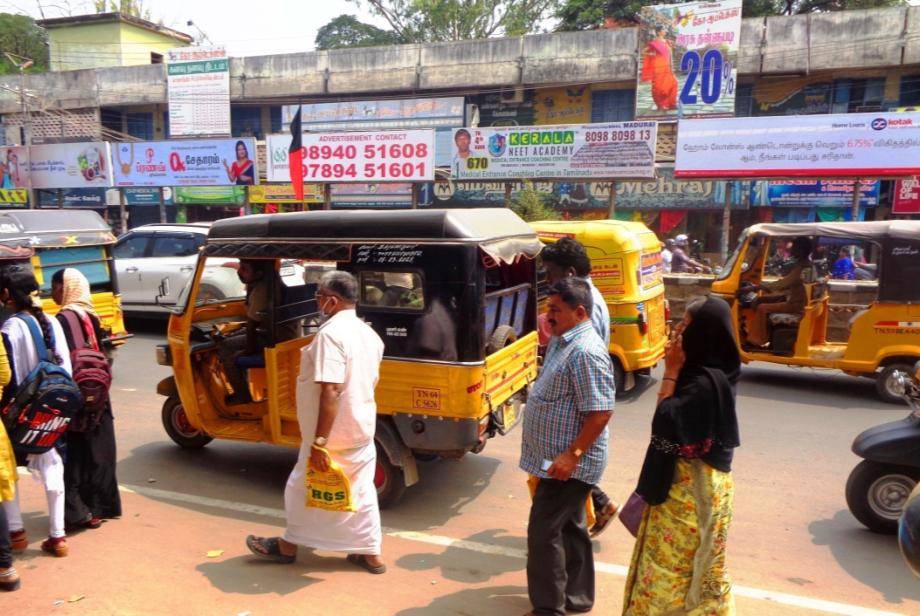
<point x="881" y="332"/>
<point x="627" y="268"/>
<point x="439" y="390"/>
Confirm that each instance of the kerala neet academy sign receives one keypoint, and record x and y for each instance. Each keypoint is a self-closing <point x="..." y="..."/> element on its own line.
<point x="842" y="145"/>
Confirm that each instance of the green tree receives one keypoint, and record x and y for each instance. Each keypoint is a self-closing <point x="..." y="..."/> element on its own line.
<point x="348" y="31"/>
<point x="587" y="14"/>
<point x="530" y="204"/>
<point x="420" y="21"/>
<point x="20" y="36"/>
<point x="135" y="8"/>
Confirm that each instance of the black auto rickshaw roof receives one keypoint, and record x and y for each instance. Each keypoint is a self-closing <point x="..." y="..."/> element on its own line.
<point x="499" y="232"/>
<point x="867" y="231"/>
<point x="54" y="228"/>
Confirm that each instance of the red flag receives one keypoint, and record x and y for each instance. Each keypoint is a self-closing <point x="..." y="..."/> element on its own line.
<point x="295" y="156"/>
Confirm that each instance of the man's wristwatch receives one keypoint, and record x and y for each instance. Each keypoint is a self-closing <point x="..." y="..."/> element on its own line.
<point x="320" y="441"/>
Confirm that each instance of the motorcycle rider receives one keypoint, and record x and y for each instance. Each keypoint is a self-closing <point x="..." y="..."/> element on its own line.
<point x="681" y="262"/>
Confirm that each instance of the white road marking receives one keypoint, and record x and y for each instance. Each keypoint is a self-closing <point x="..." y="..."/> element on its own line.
<point x="819" y="605"/>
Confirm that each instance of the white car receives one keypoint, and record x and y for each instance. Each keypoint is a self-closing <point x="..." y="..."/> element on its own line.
<point x="154" y="263"/>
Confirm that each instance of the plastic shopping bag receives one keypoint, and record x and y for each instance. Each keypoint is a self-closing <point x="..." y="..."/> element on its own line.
<point x="329" y="490"/>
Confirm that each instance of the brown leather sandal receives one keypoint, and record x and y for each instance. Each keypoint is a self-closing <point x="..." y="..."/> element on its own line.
<point x="56" y="546"/>
<point x="19" y="541"/>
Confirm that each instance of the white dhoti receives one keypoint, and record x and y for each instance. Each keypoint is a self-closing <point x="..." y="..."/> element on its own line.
<point x="354" y="533"/>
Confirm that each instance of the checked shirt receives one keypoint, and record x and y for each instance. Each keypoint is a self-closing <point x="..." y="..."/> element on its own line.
<point x="576" y="379"/>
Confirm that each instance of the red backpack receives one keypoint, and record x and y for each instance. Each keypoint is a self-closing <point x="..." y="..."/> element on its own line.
<point x="91" y="371"/>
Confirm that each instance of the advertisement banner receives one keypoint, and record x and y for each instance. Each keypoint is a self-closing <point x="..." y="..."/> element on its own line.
<point x="378" y="115"/>
<point x="906" y="196"/>
<point x="14" y="197"/>
<point x="380" y="156"/>
<point x="613" y="150"/>
<point x="209" y="195"/>
<point x="284" y="193"/>
<point x="817" y="193"/>
<point x="842" y="145"/>
<point x="198" y="91"/>
<point x="193" y="162"/>
<point x="14" y="167"/>
<point x="688" y="58"/>
<point x="72" y="198"/>
<point x="70" y="165"/>
<point x="143" y="196"/>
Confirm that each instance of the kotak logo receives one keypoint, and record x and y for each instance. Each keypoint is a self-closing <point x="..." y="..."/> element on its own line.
<point x="879" y="124"/>
<point x="901" y="122"/>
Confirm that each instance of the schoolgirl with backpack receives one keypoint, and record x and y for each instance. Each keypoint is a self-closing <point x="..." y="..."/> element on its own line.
<point x="90" y="483"/>
<point x="39" y="402"/>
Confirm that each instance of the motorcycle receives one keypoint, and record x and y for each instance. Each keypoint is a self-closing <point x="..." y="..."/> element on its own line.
<point x="879" y="487"/>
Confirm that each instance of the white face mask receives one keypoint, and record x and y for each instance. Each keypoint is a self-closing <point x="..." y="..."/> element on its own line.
<point x="322" y="305"/>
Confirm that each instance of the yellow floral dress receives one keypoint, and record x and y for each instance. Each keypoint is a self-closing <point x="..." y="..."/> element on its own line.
<point x="8" y="475"/>
<point x="678" y="563"/>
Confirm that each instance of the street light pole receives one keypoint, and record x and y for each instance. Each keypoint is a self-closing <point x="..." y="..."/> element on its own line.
<point x="25" y="132"/>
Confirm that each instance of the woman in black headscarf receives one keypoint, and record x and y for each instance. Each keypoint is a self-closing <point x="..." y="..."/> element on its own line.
<point x="678" y="564"/>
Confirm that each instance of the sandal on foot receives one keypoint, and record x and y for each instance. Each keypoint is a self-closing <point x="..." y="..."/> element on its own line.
<point x="19" y="541"/>
<point x="269" y="548"/>
<point x="91" y="523"/>
<point x="56" y="546"/>
<point x="603" y="519"/>
<point x="9" y="580"/>
<point x="361" y="561"/>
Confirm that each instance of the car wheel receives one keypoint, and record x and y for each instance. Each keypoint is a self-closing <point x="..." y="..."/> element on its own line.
<point x="177" y="426"/>
<point x="886" y="383"/>
<point x="388" y="479"/>
<point x="876" y="494"/>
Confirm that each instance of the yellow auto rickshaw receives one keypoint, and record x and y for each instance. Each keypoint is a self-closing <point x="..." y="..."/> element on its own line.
<point x="452" y="294"/>
<point x="883" y="339"/>
<point x="627" y="268"/>
<point x="79" y="239"/>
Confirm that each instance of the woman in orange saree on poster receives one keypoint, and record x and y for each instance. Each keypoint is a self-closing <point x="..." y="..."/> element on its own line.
<point x="656" y="69"/>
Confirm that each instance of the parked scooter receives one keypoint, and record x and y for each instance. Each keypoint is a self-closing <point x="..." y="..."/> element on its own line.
<point x="879" y="487"/>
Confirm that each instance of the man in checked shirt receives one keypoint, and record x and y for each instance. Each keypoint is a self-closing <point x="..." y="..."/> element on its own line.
<point x="564" y="443"/>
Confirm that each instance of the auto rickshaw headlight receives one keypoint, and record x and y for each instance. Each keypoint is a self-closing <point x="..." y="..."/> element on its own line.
<point x="164" y="356"/>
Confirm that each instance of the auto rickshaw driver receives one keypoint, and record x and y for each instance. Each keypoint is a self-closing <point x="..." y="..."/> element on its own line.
<point x="244" y="348"/>
<point x="791" y="299"/>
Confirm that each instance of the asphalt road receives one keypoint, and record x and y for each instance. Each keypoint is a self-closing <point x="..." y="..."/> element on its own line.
<point x="455" y="543"/>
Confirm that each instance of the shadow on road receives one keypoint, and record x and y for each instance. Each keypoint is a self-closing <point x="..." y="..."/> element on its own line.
<point x="833" y="389"/>
<point x="450" y="562"/>
<point x="478" y="601"/>
<point x="248" y="575"/>
<point x="256" y="474"/>
<point x="883" y="569"/>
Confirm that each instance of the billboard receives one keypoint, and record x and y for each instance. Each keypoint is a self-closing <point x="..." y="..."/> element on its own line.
<point x="383" y="114"/>
<point x="198" y="91"/>
<point x="192" y="162"/>
<point x="347" y="157"/>
<point x="14" y="167"/>
<point x="611" y="150"/>
<point x="209" y="195"/>
<point x="814" y="193"/>
<point x="284" y="193"/>
<point x="843" y="145"/>
<point x="70" y="165"/>
<point x="906" y="198"/>
<point x="688" y="57"/>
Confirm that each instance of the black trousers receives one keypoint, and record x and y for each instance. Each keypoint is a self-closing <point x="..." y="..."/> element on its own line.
<point x="6" y="551"/>
<point x="560" y="562"/>
<point x="90" y="483"/>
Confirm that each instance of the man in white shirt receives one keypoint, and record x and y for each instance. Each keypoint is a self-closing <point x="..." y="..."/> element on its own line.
<point x="337" y="415"/>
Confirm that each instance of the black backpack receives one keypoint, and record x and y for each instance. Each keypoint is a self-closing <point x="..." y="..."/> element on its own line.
<point x="45" y="401"/>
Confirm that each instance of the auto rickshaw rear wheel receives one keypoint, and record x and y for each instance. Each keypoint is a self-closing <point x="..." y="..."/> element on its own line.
<point x="619" y="376"/>
<point x="876" y="494"/>
<point x="503" y="336"/>
<point x="885" y="381"/>
<point x="177" y="426"/>
<point x="388" y="479"/>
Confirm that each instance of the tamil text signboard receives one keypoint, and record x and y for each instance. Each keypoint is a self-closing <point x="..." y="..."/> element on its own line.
<point x="687" y="59"/>
<point x="613" y="150"/>
<point x="379" y="156"/>
<point x="193" y="162"/>
<point x="198" y="82"/>
<point x="814" y="193"/>
<point x="845" y="145"/>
